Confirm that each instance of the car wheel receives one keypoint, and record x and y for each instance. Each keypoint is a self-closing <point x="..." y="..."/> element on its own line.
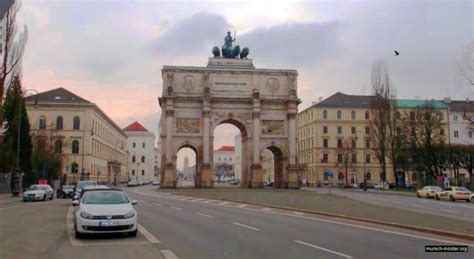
<point x="427" y="196"/>
<point x="77" y="234"/>
<point x="44" y="197"/>
<point x="437" y="197"/>
<point x="451" y="198"/>
<point x="468" y="200"/>
<point x="133" y="233"/>
<point x="418" y="195"/>
<point x="52" y="196"/>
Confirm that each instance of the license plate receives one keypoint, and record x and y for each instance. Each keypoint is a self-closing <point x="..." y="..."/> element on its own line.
<point x="108" y="223"/>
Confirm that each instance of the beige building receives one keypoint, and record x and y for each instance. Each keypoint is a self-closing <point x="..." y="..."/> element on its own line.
<point x="92" y="146"/>
<point x="333" y="135"/>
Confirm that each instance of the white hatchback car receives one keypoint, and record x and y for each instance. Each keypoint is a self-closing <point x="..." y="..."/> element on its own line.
<point x="105" y="211"/>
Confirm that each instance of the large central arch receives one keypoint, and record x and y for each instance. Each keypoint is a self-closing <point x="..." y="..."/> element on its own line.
<point x="262" y="103"/>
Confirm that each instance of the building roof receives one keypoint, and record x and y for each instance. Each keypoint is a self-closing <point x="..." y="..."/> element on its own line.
<point x="341" y="100"/>
<point x="226" y="148"/>
<point x="409" y="103"/>
<point x="461" y="106"/>
<point x="136" y="126"/>
<point x="58" y="95"/>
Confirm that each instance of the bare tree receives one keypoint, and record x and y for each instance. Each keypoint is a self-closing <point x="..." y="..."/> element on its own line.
<point x="346" y="148"/>
<point x="13" y="48"/>
<point x="381" y="123"/>
<point x="465" y="67"/>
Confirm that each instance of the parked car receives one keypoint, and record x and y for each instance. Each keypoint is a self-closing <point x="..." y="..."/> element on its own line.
<point x="66" y="191"/>
<point x="428" y="191"/>
<point x="132" y="183"/>
<point x="81" y="184"/>
<point x="38" y="192"/>
<point x="370" y="185"/>
<point x="104" y="211"/>
<point x="155" y="183"/>
<point x="454" y="193"/>
<point x="140" y="183"/>
<point x="381" y="186"/>
<point x="268" y="184"/>
<point x="472" y="197"/>
<point x="89" y="187"/>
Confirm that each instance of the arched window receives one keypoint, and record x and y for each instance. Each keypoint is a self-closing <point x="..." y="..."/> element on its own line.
<point x="75" y="147"/>
<point x="369" y="177"/>
<point x="59" y="123"/>
<point x="134" y="144"/>
<point x="143" y="172"/>
<point x="76" y="123"/>
<point x="74" y="168"/>
<point x="133" y="172"/>
<point x="325" y="114"/>
<point x="42" y="122"/>
<point x="354" y="145"/>
<point x="143" y="159"/>
<point x="339" y="115"/>
<point x="58" y="146"/>
<point x="353" y="115"/>
<point x="367" y="116"/>
<point x="133" y="159"/>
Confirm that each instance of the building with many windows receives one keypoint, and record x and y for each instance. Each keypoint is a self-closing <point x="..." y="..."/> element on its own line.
<point x="92" y="146"/>
<point x="224" y="160"/>
<point x="333" y="135"/>
<point x="141" y="151"/>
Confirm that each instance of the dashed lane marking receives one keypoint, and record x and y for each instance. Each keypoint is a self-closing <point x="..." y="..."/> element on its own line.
<point x="157" y="204"/>
<point x="149" y="236"/>
<point x="323" y="249"/>
<point x="207" y="201"/>
<point x="176" y="208"/>
<point x="204" y="215"/>
<point x="224" y="203"/>
<point x="168" y="254"/>
<point x="242" y="206"/>
<point x="266" y="209"/>
<point x="450" y="211"/>
<point x="298" y="213"/>
<point x="418" y="206"/>
<point x="245" y="226"/>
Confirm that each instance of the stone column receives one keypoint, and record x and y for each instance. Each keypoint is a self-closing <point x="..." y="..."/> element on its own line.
<point x="169" y="180"/>
<point x="292" y="168"/>
<point x="256" y="168"/>
<point x="206" y="170"/>
<point x="292" y="137"/>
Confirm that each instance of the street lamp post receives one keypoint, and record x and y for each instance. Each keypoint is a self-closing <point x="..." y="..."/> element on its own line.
<point x="83" y="154"/>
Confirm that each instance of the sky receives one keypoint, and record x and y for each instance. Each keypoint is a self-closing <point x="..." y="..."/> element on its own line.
<point x="111" y="52"/>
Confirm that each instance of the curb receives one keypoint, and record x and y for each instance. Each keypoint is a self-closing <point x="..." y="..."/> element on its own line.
<point x="408" y="194"/>
<point x="403" y="226"/>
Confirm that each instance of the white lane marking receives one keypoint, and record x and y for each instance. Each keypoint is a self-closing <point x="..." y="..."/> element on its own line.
<point x="242" y="205"/>
<point x="322" y="248"/>
<point x="205" y="215"/>
<point x="198" y="199"/>
<point x="142" y="201"/>
<point x="297" y="213"/>
<point x="157" y="204"/>
<point x="224" y="203"/>
<point x="419" y="206"/>
<point x="448" y="204"/>
<point x="176" y="208"/>
<point x="149" y="236"/>
<point x="207" y="201"/>
<point x="245" y="226"/>
<point x="266" y="209"/>
<point x="450" y="211"/>
<point x="168" y="254"/>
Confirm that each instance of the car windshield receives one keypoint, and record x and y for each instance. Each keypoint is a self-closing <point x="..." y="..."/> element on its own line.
<point x="81" y="185"/>
<point x="436" y="188"/>
<point x="37" y="187"/>
<point x="105" y="197"/>
<point x="462" y="189"/>
<point x="68" y="186"/>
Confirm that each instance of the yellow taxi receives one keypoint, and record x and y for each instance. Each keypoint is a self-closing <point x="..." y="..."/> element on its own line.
<point x="428" y="191"/>
<point x="454" y="193"/>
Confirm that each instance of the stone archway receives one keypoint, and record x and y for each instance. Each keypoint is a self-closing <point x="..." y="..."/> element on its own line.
<point x="262" y="103"/>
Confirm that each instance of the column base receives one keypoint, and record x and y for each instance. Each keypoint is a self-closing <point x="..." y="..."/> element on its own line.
<point x="257" y="176"/>
<point x="293" y="177"/>
<point x="168" y="180"/>
<point x="206" y="177"/>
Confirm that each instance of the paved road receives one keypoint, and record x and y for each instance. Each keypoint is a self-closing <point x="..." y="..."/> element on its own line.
<point x="203" y="228"/>
<point x="458" y="210"/>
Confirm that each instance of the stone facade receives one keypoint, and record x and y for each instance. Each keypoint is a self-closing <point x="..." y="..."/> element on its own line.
<point x="262" y="103"/>
<point x="141" y="152"/>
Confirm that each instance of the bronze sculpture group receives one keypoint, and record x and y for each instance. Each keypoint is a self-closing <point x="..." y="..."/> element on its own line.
<point x="229" y="51"/>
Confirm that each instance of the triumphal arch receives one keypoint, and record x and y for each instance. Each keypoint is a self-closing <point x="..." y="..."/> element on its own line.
<point x="261" y="103"/>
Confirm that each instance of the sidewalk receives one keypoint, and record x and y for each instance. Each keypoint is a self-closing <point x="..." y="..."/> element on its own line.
<point x="371" y="191"/>
<point x="7" y="198"/>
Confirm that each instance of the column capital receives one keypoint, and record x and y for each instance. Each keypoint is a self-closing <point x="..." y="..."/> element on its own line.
<point x="169" y="112"/>
<point x="256" y="114"/>
<point x="291" y="115"/>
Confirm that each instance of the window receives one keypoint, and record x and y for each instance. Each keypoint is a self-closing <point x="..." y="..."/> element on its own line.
<point x="74" y="168"/>
<point x="367" y="143"/>
<point x="143" y="172"/>
<point x="353" y="130"/>
<point x="340" y="176"/>
<point x="325" y="114"/>
<point x="456" y="134"/>
<point x="42" y="123"/>
<point x="354" y="144"/>
<point x="368" y="176"/>
<point x="325" y="176"/>
<point x="339" y="143"/>
<point x="367" y="158"/>
<point x="325" y="158"/>
<point x="367" y="130"/>
<point x="339" y="115"/>
<point x="339" y="158"/>
<point x="325" y="143"/>
<point x="441" y="116"/>
<point x="58" y="146"/>
<point x="75" y="147"/>
<point x="76" y="123"/>
<point x="143" y="145"/>
<point x="413" y="131"/>
<point x="412" y="116"/>
<point x="441" y="132"/>
<point x="339" y="130"/>
<point x="325" y="129"/>
<point x="59" y="123"/>
<point x="397" y="115"/>
<point x="353" y="115"/>
<point x="470" y="134"/>
<point x="133" y="159"/>
<point x="134" y="145"/>
<point x="399" y="131"/>
<point x="367" y="116"/>
<point x="133" y="172"/>
<point x="455" y="118"/>
<point x="354" y="158"/>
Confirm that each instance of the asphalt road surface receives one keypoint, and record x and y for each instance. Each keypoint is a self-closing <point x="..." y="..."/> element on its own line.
<point x="203" y="228"/>
<point x="457" y="210"/>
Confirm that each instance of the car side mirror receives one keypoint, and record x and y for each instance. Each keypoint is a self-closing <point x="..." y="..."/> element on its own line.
<point x="75" y="197"/>
<point x="134" y="202"/>
<point x="75" y="202"/>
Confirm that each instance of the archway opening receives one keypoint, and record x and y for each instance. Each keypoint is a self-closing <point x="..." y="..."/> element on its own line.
<point x="228" y="163"/>
<point x="185" y="174"/>
<point x="272" y="166"/>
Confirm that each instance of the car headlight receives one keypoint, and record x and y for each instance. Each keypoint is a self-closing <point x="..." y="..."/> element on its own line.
<point x="131" y="214"/>
<point x="86" y="215"/>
